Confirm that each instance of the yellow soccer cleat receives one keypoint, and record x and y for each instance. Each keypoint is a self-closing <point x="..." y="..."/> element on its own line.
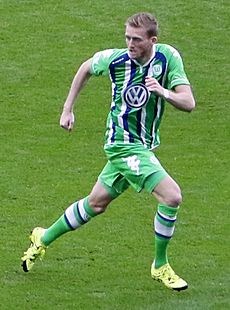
<point x="166" y="275"/>
<point x="36" y="249"/>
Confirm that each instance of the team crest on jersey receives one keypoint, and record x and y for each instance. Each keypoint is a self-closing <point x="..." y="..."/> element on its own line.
<point x="136" y="96"/>
<point x="157" y="70"/>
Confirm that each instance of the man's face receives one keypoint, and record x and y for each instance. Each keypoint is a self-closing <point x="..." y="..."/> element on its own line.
<point x="139" y="43"/>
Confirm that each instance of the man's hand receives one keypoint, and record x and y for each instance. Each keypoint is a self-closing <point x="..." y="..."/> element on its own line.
<point x="153" y="86"/>
<point x="67" y="120"/>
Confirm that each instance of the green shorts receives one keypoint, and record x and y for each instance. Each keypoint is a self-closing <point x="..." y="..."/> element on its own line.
<point x="131" y="165"/>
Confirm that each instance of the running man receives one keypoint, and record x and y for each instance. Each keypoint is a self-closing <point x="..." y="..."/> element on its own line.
<point x="145" y="76"/>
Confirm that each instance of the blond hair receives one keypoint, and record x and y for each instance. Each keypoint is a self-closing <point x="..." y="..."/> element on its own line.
<point x="144" y="20"/>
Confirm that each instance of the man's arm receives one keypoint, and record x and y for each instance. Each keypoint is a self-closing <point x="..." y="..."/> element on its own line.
<point x="80" y="79"/>
<point x="181" y="98"/>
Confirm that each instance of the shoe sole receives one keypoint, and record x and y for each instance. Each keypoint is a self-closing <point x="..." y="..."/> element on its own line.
<point x="24" y="266"/>
<point x="178" y="289"/>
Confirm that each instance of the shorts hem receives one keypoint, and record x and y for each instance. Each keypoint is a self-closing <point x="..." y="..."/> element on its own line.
<point x="110" y="190"/>
<point x="153" y="180"/>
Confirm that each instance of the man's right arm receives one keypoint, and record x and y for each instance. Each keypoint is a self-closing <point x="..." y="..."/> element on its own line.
<point x="80" y="79"/>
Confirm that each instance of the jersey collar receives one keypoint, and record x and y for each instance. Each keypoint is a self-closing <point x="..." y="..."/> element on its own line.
<point x="150" y="59"/>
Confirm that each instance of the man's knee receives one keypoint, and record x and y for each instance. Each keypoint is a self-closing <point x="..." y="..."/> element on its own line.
<point x="168" y="192"/>
<point x="175" y="199"/>
<point x="97" y="204"/>
<point x="99" y="198"/>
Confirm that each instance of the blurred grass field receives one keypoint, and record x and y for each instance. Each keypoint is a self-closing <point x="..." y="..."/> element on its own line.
<point x="106" y="264"/>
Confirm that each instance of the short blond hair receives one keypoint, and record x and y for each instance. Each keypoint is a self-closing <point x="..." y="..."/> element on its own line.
<point x="144" y="20"/>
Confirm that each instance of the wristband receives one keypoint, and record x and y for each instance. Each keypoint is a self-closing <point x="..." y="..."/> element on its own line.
<point x="166" y="93"/>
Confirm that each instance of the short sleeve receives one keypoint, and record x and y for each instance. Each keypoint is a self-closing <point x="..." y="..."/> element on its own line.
<point x="176" y="73"/>
<point x="100" y="62"/>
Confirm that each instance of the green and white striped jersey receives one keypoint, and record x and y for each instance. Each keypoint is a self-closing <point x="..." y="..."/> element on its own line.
<point x="135" y="113"/>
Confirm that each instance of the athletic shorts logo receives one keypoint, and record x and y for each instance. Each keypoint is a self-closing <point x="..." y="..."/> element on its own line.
<point x="133" y="163"/>
<point x="136" y="96"/>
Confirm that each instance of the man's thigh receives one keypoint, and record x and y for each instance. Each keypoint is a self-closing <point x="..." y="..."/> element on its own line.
<point x="112" y="180"/>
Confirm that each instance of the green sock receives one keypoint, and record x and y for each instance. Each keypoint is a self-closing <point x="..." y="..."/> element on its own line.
<point x="58" y="228"/>
<point x="164" y="225"/>
<point x="161" y="257"/>
<point x="76" y="215"/>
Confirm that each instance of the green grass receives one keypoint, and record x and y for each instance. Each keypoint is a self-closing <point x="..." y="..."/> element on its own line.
<point x="106" y="264"/>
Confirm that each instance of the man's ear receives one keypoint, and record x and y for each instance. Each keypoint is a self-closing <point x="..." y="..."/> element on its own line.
<point x="154" y="40"/>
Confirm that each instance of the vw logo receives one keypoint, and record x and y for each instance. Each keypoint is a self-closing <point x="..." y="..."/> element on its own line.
<point x="136" y="96"/>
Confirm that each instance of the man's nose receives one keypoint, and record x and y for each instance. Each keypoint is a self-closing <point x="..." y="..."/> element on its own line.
<point x="131" y="43"/>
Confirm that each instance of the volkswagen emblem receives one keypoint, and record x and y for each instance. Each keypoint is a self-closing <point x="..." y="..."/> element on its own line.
<point x="136" y="95"/>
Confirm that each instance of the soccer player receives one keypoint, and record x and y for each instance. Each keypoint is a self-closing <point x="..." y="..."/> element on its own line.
<point x="145" y="76"/>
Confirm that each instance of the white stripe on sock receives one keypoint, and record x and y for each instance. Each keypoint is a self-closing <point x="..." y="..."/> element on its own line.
<point x="82" y="212"/>
<point x="162" y="229"/>
<point x="69" y="213"/>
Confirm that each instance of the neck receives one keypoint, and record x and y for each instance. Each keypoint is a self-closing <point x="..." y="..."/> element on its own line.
<point x="144" y="60"/>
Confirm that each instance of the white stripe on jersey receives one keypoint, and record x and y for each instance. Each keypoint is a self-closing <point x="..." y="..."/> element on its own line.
<point x="113" y="92"/>
<point x="111" y="131"/>
<point x="159" y="101"/>
<point x="123" y="105"/>
<point x="159" y="108"/>
<point x="144" y="115"/>
<point x="143" y="120"/>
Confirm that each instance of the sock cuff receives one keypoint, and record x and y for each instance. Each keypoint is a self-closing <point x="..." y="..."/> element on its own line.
<point x="87" y="208"/>
<point x="168" y="210"/>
